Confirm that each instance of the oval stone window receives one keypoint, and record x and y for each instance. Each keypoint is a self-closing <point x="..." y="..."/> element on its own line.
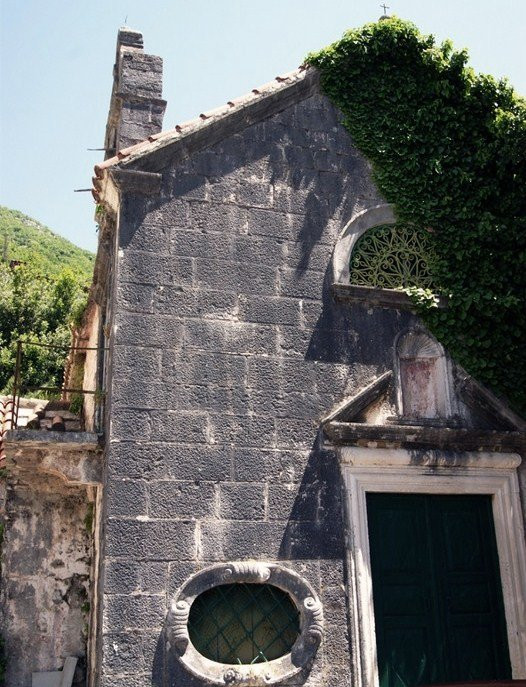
<point x="243" y="623"/>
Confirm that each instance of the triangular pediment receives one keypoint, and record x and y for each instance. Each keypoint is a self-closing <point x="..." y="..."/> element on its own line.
<point x="370" y="417"/>
<point x="351" y="409"/>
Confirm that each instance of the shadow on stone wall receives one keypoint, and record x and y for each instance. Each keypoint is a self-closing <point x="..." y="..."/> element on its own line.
<point x="315" y="525"/>
<point x="315" y="192"/>
<point x="346" y="333"/>
<point x="317" y="185"/>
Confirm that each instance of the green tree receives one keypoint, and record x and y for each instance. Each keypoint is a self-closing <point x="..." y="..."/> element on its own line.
<point x="37" y="309"/>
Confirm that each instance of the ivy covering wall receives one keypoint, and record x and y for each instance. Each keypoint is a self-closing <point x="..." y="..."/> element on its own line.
<point x="448" y="148"/>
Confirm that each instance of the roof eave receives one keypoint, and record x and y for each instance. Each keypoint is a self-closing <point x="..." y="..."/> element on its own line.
<point x="209" y="128"/>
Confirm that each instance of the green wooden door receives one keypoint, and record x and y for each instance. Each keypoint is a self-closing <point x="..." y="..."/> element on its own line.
<point x="436" y="586"/>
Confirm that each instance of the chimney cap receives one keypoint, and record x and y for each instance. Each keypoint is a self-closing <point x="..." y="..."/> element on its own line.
<point x="130" y="38"/>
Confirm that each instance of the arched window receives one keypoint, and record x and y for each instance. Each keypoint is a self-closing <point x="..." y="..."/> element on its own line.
<point x="423" y="390"/>
<point x="392" y="256"/>
<point x="375" y="259"/>
<point x="351" y="233"/>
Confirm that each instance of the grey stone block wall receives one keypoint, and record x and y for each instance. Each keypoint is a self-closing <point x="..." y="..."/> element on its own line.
<point x="228" y="351"/>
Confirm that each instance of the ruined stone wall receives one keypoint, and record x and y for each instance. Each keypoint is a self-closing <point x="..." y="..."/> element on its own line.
<point x="228" y="350"/>
<point x="45" y="583"/>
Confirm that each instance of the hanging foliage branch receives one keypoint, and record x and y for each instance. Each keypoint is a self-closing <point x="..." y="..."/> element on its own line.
<point x="448" y="148"/>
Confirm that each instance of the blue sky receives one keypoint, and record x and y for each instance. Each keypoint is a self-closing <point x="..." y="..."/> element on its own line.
<point x="56" y="71"/>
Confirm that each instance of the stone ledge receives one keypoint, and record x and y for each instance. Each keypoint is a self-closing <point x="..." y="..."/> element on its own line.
<point x="38" y="438"/>
<point x="391" y="436"/>
<point x="383" y="298"/>
<point x="131" y="97"/>
<point x="132" y="181"/>
<point x="75" y="457"/>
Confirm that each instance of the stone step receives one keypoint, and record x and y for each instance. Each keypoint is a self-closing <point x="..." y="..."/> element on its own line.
<point x="64" y="414"/>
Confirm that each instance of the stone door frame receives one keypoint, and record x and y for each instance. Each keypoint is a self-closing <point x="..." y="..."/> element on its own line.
<point x="401" y="471"/>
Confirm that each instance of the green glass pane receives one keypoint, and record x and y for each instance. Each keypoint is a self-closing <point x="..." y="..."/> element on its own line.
<point x="392" y="257"/>
<point x="243" y="623"/>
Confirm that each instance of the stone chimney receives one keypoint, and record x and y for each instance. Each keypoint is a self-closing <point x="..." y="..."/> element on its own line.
<point x="136" y="107"/>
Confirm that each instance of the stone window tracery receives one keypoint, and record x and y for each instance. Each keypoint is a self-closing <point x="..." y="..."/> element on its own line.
<point x="376" y="259"/>
<point x="392" y="256"/>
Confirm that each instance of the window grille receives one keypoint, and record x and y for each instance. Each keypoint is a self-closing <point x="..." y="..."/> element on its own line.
<point x="392" y="257"/>
<point x="243" y="623"/>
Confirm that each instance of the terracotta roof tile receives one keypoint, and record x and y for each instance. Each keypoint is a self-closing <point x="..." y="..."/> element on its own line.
<point x="204" y="119"/>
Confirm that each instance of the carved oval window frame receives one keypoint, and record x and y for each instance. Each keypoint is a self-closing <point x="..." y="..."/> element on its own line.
<point x="272" y="672"/>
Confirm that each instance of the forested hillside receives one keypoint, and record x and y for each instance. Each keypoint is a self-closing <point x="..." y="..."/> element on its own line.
<point x="23" y="238"/>
<point x="44" y="282"/>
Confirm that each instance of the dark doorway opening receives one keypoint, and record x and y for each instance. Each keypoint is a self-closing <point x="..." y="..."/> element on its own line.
<point x="437" y="592"/>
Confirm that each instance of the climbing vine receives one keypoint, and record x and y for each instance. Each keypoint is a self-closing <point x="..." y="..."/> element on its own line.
<point x="448" y="148"/>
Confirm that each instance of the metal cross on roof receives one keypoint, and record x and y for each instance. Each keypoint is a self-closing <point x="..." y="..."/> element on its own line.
<point x="385" y="8"/>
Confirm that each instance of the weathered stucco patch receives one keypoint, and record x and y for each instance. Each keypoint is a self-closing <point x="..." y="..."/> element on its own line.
<point x="46" y="566"/>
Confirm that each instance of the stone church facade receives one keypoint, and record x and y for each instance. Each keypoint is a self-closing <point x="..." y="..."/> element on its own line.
<point x="272" y="426"/>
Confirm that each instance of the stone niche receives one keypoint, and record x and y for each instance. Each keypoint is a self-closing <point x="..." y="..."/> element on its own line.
<point x="423" y="377"/>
